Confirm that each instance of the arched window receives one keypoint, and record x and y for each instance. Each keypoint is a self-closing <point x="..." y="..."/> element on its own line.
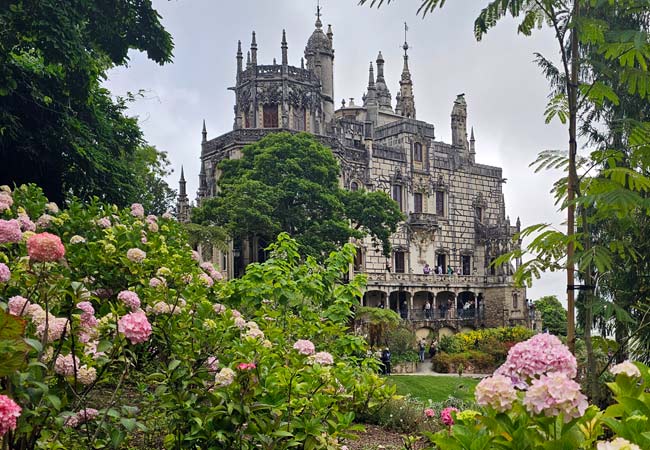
<point x="270" y="116"/>
<point x="417" y="152"/>
<point x="354" y="186"/>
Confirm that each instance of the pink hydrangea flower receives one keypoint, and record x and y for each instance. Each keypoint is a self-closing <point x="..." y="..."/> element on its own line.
<point x="130" y="299"/>
<point x="446" y="417"/>
<point x="5" y="273"/>
<point x="65" y="365"/>
<point x="10" y="231"/>
<point x="6" y="201"/>
<point x="219" y="308"/>
<point x="167" y="215"/>
<point x="541" y="354"/>
<point x="81" y="417"/>
<point x="304" y="347"/>
<point x="104" y="222"/>
<point x="246" y="366"/>
<point x="628" y="368"/>
<point x="26" y="223"/>
<point x="136" y="255"/>
<point x="195" y="255"/>
<point x="52" y="208"/>
<point x="9" y="414"/>
<point x="137" y="210"/>
<point x="212" y="363"/>
<point x="235" y="313"/>
<point x="157" y="282"/>
<point x="44" y="221"/>
<point x="205" y="279"/>
<point x="429" y="412"/>
<point x="18" y="305"/>
<point x="240" y="322"/>
<point x="45" y="247"/>
<point x="497" y="392"/>
<point x="152" y="226"/>
<point x="86" y="307"/>
<point x="56" y="327"/>
<point x="553" y="394"/>
<point x="254" y="333"/>
<point x="322" y="358"/>
<point x="135" y="327"/>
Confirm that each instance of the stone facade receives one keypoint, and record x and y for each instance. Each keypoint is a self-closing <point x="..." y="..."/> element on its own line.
<point x="456" y="221"/>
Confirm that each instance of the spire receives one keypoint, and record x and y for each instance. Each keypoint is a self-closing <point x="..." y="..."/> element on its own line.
<point x="330" y="34"/>
<point x="302" y="63"/>
<point x="248" y="59"/>
<point x="285" y="57"/>
<point x="253" y="50"/>
<point x="371" y="76"/>
<point x="239" y="58"/>
<point x="204" y="133"/>
<point x="319" y="24"/>
<point x="371" y="97"/>
<point x="182" y="193"/>
<point x="406" y="103"/>
<point x="183" y="204"/>
<point x="459" y="123"/>
<point x="472" y="142"/>
<point x="383" y="94"/>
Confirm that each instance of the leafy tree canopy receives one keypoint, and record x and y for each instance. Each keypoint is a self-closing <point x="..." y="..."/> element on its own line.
<point x="290" y="183"/>
<point x="58" y="126"/>
<point x="150" y="167"/>
<point x="554" y="318"/>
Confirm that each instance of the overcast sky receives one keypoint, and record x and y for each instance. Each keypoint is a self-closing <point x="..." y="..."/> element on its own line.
<point x="506" y="94"/>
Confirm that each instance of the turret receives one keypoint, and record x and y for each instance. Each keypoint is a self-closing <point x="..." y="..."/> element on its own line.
<point x="253" y="50"/>
<point x="285" y="58"/>
<point x="239" y="60"/>
<point x="472" y="147"/>
<point x="406" y="104"/>
<point x="204" y="134"/>
<point x="383" y="94"/>
<point x="319" y="55"/>
<point x="370" y="101"/>
<point x="459" y="124"/>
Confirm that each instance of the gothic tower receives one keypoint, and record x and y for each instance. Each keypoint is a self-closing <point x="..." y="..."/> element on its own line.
<point x="320" y="59"/>
<point x="383" y="94"/>
<point x="183" y="206"/>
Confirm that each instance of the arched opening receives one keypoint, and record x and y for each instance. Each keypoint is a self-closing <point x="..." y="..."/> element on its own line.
<point x="374" y="299"/>
<point x="399" y="302"/>
<point x="445" y="301"/>
<point x="420" y="309"/>
<point x="425" y="333"/>
<point x="446" y="331"/>
<point x="466" y="305"/>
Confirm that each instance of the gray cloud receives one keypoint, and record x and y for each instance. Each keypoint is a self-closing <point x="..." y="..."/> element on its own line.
<point x="505" y="91"/>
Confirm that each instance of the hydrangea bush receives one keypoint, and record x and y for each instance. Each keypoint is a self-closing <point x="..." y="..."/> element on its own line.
<point x="533" y="402"/>
<point x="111" y="330"/>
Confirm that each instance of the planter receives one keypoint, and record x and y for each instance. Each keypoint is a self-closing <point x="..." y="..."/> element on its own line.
<point x="405" y="367"/>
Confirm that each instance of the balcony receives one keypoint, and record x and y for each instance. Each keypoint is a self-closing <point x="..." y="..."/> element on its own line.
<point x="424" y="221"/>
<point x="435" y="281"/>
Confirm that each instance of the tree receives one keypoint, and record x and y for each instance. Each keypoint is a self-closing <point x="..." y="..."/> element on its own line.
<point x="553" y="315"/>
<point x="290" y="183"/>
<point x="150" y="167"/>
<point x="59" y="127"/>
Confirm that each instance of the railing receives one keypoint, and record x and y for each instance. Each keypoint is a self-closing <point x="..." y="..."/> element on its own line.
<point x="423" y="220"/>
<point x="434" y="280"/>
<point x="443" y="314"/>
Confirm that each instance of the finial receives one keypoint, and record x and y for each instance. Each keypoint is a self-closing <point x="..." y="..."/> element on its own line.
<point x="472" y="135"/>
<point x="284" y="37"/>
<point x="406" y="45"/>
<point x="274" y="62"/>
<point x="248" y="58"/>
<point x="302" y="63"/>
<point x="380" y="57"/>
<point x="319" y="24"/>
<point x="182" y="180"/>
<point x="371" y="76"/>
<point x="253" y="41"/>
<point x="330" y="34"/>
<point x="204" y="130"/>
<point x="343" y="103"/>
<point x="239" y="47"/>
<point x="204" y="133"/>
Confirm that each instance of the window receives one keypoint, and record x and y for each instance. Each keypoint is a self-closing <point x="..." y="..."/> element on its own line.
<point x="466" y="263"/>
<point x="417" y="202"/>
<point x="441" y="264"/>
<point x="397" y="195"/>
<point x="515" y="301"/>
<point x="299" y="119"/>
<point x="399" y="262"/>
<point x="479" y="214"/>
<point x="270" y="116"/>
<point x="417" y="152"/>
<point x="358" y="260"/>
<point x="440" y="203"/>
<point x="248" y="119"/>
<point x="354" y="186"/>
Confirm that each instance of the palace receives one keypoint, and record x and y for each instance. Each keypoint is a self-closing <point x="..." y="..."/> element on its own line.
<point x="456" y="221"/>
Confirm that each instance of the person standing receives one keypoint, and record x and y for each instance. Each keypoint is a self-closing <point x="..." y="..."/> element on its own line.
<point x="421" y="346"/>
<point x="450" y="270"/>
<point x="432" y="349"/>
<point x="426" y="269"/>
<point x="427" y="310"/>
<point x="385" y="360"/>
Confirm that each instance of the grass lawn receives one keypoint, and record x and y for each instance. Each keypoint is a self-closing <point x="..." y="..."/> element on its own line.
<point x="425" y="387"/>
